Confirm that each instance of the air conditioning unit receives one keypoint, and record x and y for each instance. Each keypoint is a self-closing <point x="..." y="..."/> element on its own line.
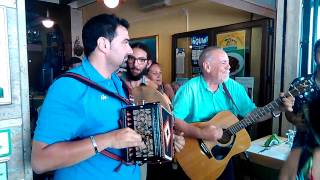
<point x="153" y="4"/>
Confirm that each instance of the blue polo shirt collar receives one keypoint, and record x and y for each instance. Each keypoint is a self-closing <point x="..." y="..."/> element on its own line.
<point x="92" y="73"/>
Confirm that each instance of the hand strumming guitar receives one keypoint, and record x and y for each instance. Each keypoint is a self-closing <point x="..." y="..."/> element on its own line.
<point x="211" y="133"/>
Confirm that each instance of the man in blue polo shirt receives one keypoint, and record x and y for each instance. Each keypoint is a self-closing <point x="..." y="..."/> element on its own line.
<point x="76" y="122"/>
<point x="203" y="97"/>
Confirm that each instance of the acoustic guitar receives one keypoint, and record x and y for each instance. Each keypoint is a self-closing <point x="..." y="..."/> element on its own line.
<point x="201" y="159"/>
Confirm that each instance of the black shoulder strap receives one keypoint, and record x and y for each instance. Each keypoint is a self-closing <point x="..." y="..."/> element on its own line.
<point x="94" y="85"/>
<point x="229" y="95"/>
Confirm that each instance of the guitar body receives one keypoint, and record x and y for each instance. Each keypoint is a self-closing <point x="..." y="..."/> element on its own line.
<point x="203" y="160"/>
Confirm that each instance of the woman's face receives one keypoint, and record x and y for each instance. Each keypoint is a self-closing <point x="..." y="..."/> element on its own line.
<point x="155" y="74"/>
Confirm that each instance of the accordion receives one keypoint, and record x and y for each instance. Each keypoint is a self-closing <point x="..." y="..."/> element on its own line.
<point x="155" y="124"/>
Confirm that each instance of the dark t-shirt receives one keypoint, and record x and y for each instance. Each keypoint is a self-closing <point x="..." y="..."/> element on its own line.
<point x="305" y="138"/>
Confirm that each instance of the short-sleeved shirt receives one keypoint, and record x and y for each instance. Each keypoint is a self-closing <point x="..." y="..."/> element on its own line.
<point x="73" y="111"/>
<point x="1" y="92"/>
<point x="195" y="102"/>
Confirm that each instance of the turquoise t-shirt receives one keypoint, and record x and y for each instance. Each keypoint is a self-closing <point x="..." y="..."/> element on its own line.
<point x="195" y="102"/>
<point x="72" y="111"/>
<point x="1" y="92"/>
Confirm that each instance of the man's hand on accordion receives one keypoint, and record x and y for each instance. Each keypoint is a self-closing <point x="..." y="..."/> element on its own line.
<point x="178" y="141"/>
<point x="123" y="138"/>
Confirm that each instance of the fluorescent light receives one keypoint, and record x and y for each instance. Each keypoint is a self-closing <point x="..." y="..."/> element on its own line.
<point x="111" y="3"/>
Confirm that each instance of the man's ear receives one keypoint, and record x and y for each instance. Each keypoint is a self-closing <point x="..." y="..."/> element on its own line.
<point x="103" y="44"/>
<point x="206" y="66"/>
<point x="149" y="62"/>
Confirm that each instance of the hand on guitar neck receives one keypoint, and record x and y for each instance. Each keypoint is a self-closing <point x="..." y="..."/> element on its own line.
<point x="283" y="104"/>
<point x="287" y="102"/>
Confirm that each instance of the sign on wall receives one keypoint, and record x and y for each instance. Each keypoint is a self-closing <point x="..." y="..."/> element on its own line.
<point x="234" y="45"/>
<point x="5" y="144"/>
<point x="5" y="90"/>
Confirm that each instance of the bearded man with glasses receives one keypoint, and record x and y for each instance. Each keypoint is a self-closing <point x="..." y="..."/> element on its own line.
<point x="137" y="65"/>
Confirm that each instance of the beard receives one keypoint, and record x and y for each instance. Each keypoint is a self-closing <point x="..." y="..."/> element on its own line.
<point x="136" y="77"/>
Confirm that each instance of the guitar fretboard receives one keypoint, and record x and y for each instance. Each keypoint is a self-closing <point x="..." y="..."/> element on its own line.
<point x="258" y="113"/>
<point x="255" y="116"/>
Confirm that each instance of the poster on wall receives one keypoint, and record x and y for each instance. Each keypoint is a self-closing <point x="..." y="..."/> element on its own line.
<point x="234" y="45"/>
<point x="198" y="43"/>
<point x="180" y="58"/>
<point x="5" y="90"/>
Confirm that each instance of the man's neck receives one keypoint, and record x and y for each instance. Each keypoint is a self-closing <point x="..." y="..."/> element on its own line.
<point x="101" y="65"/>
<point x="213" y="86"/>
<point x="134" y="83"/>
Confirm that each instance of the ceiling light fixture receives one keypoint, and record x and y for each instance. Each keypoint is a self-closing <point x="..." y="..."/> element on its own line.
<point x="111" y="3"/>
<point x="47" y="22"/>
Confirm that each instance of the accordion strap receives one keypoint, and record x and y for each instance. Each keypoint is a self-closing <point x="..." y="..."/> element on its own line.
<point x="96" y="86"/>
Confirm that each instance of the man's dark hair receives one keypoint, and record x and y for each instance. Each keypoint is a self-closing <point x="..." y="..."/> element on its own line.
<point x="103" y="25"/>
<point x="74" y="60"/>
<point x="143" y="47"/>
<point x="315" y="48"/>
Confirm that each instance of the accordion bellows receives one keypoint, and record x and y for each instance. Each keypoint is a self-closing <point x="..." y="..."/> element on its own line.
<point x="155" y="124"/>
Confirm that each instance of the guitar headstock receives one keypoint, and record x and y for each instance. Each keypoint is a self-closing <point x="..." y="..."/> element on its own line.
<point x="299" y="87"/>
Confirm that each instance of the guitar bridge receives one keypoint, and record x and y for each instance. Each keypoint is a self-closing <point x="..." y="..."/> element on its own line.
<point x="204" y="149"/>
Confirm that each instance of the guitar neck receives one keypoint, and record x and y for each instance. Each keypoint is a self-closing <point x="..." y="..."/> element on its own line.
<point x="255" y="116"/>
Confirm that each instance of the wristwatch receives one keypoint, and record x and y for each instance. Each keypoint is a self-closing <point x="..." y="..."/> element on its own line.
<point x="275" y="115"/>
<point x="94" y="144"/>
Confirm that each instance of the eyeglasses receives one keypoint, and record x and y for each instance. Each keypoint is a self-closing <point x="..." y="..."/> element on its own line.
<point x="139" y="60"/>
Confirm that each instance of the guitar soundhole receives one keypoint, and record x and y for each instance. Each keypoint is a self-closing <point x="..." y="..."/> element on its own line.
<point x="225" y="137"/>
<point x="220" y="151"/>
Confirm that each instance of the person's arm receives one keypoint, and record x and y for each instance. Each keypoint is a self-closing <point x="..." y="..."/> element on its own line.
<point x="315" y="170"/>
<point x="296" y="119"/>
<point x="211" y="133"/>
<point x="47" y="157"/>
<point x="169" y="91"/>
<point x="290" y="167"/>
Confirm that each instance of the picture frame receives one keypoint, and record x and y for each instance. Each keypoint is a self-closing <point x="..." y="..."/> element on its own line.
<point x="5" y="88"/>
<point x="152" y="42"/>
<point x="5" y="143"/>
